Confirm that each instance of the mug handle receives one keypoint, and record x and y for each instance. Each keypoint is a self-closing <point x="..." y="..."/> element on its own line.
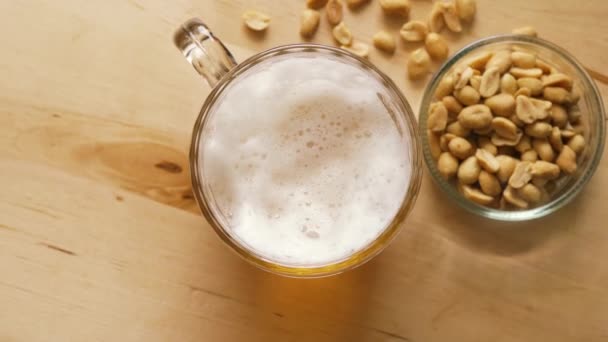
<point x="203" y="50"/>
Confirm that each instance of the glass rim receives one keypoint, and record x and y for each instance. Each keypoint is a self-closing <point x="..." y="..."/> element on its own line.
<point x="572" y="190"/>
<point x="353" y="260"/>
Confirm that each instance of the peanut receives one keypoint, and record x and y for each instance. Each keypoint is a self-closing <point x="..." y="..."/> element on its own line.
<point x="342" y="34"/>
<point x="505" y="128"/>
<point x="436" y="46"/>
<point x="558" y="80"/>
<point x="445" y="87"/>
<point x="522" y="174"/>
<point x="461" y="148"/>
<point x="556" y="95"/>
<point x="414" y="31"/>
<point x="523" y="59"/>
<point x="452" y="105"/>
<point x="523" y="91"/>
<point x="530" y="193"/>
<point x="466" y="9"/>
<point x="544" y="66"/>
<point x="436" y="22"/>
<point x="457" y="129"/>
<point x="468" y="172"/>
<point x="316" y="4"/>
<point x="356" y="3"/>
<point x="396" y="7"/>
<point x="559" y="116"/>
<point x="502" y="141"/>
<point x="467" y="96"/>
<point x="507" y="166"/>
<point x="530" y="156"/>
<point x="555" y="139"/>
<point x="447" y="165"/>
<point x="256" y="21"/>
<point x="445" y="139"/>
<point x="333" y="11"/>
<point x="489" y="184"/>
<point x="438" y="117"/>
<point x="475" y="81"/>
<point x="500" y="60"/>
<point x="544" y="149"/>
<point x="567" y="160"/>
<point x="508" y="84"/>
<point x="538" y="129"/>
<point x="475" y="116"/>
<point x="534" y="84"/>
<point x="464" y="78"/>
<point x="501" y="104"/>
<point x="479" y="61"/>
<point x="486" y="144"/>
<point x="520" y="72"/>
<point x="434" y="145"/>
<point x="309" y="22"/>
<point x="511" y="196"/>
<point x="418" y="64"/>
<point x="450" y="16"/>
<point x="476" y="196"/>
<point x="526" y="31"/>
<point x="487" y="160"/>
<point x="577" y="143"/>
<point x="524" y="144"/>
<point x="384" y="41"/>
<point x="529" y="110"/>
<point x="545" y="170"/>
<point x="490" y="82"/>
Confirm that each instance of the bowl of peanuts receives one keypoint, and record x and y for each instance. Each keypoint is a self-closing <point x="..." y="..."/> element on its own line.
<point x="512" y="127"/>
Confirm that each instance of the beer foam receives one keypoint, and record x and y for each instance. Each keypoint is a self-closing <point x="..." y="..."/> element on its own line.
<point x="304" y="162"/>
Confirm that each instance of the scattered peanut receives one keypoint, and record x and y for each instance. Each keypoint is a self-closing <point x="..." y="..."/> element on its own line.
<point x="466" y="9"/>
<point x="396" y="7"/>
<point x="256" y="21"/>
<point x="414" y="31"/>
<point x="436" y="46"/>
<point x="316" y="4"/>
<point x="526" y="31"/>
<point x="450" y="16"/>
<point x="342" y="34"/>
<point x="384" y="41"/>
<point x="309" y="22"/>
<point x="333" y="10"/>
<point x="358" y="48"/>
<point x="436" y="22"/>
<point x="418" y="64"/>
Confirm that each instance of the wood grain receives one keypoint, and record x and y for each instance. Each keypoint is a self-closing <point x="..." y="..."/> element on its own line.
<point x="100" y="238"/>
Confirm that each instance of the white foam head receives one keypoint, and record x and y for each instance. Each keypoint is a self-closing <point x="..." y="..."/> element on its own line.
<point x="304" y="161"/>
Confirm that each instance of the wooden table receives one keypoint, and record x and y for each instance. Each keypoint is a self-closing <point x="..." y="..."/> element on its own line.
<point x="100" y="239"/>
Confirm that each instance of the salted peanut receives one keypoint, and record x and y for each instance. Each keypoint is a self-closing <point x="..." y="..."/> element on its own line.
<point x="575" y="96"/>
<point x="342" y="34"/>
<point x="452" y="105"/>
<point x="414" y="31"/>
<point x="475" y="81"/>
<point x="358" y="48"/>
<point x="544" y="66"/>
<point x="436" y="46"/>
<point x="540" y="182"/>
<point x="538" y="129"/>
<point x="558" y="80"/>
<point x="502" y="141"/>
<point x="523" y="92"/>
<point x="356" y="3"/>
<point x="461" y="148"/>
<point x="464" y="78"/>
<point x="529" y="109"/>
<point x="520" y="72"/>
<point x="574" y="115"/>
<point x="524" y="60"/>
<point x="457" y="129"/>
<point x="507" y="165"/>
<point x="500" y="60"/>
<point x="384" y="41"/>
<point x="466" y="9"/>
<point x="467" y="96"/>
<point x="559" y="116"/>
<point x="445" y="87"/>
<point x="568" y="132"/>
<point x="334" y="12"/>
<point x="418" y="64"/>
<point x="534" y="84"/>
<point x="450" y="16"/>
<point x="567" y="160"/>
<point x="475" y="117"/>
<point x="396" y="7"/>
<point x="517" y="121"/>
<point x="436" y="22"/>
<point x="468" y="172"/>
<point x="316" y="4"/>
<point x="530" y="156"/>
<point x="508" y="84"/>
<point x="512" y="197"/>
<point x="476" y="196"/>
<point x="505" y="128"/>
<point x="309" y="22"/>
<point x="545" y="170"/>
<point x="526" y="31"/>
<point x="486" y="144"/>
<point x="487" y="160"/>
<point x="524" y="144"/>
<point x="489" y="184"/>
<point x="434" y="145"/>
<point x="577" y="143"/>
<point x="556" y="95"/>
<point x="490" y="82"/>
<point x="438" y="117"/>
<point x="502" y="104"/>
<point x="555" y="139"/>
<point x="521" y="175"/>
<point x="544" y="149"/>
<point x="530" y="193"/>
<point x="479" y="61"/>
<point x="486" y="131"/>
<point x="444" y="141"/>
<point x="255" y="20"/>
<point x="447" y="165"/>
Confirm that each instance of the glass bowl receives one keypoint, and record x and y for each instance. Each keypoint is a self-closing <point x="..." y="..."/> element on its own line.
<point x="592" y="121"/>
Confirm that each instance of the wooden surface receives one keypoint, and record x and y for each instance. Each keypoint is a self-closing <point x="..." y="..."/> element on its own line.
<point x="100" y="239"/>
